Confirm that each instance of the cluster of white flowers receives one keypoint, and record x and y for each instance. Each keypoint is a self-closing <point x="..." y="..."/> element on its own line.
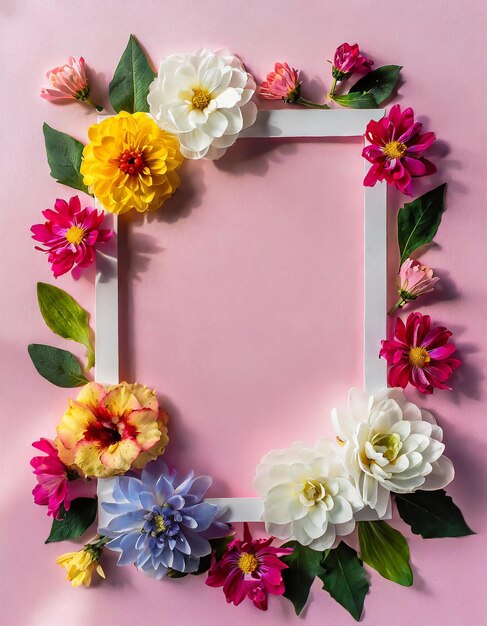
<point x="384" y="444"/>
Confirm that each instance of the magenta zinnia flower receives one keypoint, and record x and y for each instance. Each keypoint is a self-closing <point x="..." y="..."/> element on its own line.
<point x="53" y="479"/>
<point x="419" y="354"/>
<point x="348" y="60"/>
<point x="396" y="150"/>
<point x="70" y="236"/>
<point x="249" y="568"/>
<point x="281" y="84"/>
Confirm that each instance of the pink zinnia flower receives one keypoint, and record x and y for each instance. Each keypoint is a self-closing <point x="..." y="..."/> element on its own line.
<point x="396" y="150"/>
<point x="348" y="60"/>
<point x="53" y="478"/>
<point x="415" y="279"/>
<point x="68" y="82"/>
<point x="281" y="84"/>
<point x="70" y="236"/>
<point x="419" y="354"/>
<point x="249" y="568"/>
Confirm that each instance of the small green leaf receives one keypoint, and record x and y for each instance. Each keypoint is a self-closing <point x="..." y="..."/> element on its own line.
<point x="418" y="220"/>
<point x="65" y="317"/>
<point x="64" y="158"/>
<point x="130" y="84"/>
<point x="80" y="517"/>
<point x="356" y="100"/>
<point x="380" y="83"/>
<point x="432" y="514"/>
<point x="217" y="548"/>
<point x="59" y="367"/>
<point x="386" y="550"/>
<point x="303" y="567"/>
<point x="344" y="578"/>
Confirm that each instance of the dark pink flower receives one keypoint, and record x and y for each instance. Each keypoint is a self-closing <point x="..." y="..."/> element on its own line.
<point x="396" y="150"/>
<point x="281" y="84"/>
<point x="419" y="354"/>
<point x="70" y="236"/>
<point x="348" y="61"/>
<point x="249" y="568"/>
<point x="53" y="479"/>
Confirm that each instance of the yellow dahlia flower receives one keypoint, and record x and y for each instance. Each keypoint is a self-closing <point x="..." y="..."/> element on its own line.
<point x="108" y="430"/>
<point x="130" y="163"/>
<point x="81" y="565"/>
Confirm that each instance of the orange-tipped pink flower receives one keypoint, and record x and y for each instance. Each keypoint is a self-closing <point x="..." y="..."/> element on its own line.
<point x="68" y="82"/>
<point x="281" y="84"/>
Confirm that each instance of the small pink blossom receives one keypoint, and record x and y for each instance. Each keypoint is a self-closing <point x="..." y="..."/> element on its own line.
<point x="415" y="280"/>
<point x="348" y="61"/>
<point x="396" y="150"/>
<point x="281" y="84"/>
<point x="249" y="568"/>
<point x="53" y="479"/>
<point x="68" y="82"/>
<point x="70" y="235"/>
<point x="419" y="354"/>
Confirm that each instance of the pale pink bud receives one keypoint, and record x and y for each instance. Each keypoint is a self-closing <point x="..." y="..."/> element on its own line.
<point x="68" y="82"/>
<point x="415" y="280"/>
<point x="281" y="84"/>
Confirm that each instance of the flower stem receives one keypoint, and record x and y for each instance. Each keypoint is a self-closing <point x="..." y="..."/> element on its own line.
<point x="333" y="87"/>
<point x="89" y="101"/>
<point x="401" y="302"/>
<point x="311" y="105"/>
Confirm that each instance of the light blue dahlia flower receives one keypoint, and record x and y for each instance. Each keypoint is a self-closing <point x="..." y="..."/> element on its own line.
<point x="160" y="523"/>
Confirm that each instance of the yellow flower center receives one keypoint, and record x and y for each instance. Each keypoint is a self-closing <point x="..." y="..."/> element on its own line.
<point x="201" y="98"/>
<point x="159" y="522"/>
<point x="419" y="357"/>
<point x="388" y="444"/>
<point x="394" y="149"/>
<point x="75" y="235"/>
<point x="248" y="563"/>
<point x="314" y="490"/>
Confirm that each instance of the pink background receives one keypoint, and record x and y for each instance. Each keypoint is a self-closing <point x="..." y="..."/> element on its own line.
<point x="244" y="308"/>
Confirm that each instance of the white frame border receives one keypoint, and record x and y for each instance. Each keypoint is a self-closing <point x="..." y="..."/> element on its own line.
<point x="278" y="123"/>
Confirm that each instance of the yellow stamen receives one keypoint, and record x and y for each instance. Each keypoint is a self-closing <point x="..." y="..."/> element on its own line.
<point x="248" y="563"/>
<point x="394" y="149"/>
<point x="201" y="98"/>
<point x="314" y="490"/>
<point x="419" y="357"/>
<point x="340" y="442"/>
<point x="159" y="522"/>
<point x="75" y="235"/>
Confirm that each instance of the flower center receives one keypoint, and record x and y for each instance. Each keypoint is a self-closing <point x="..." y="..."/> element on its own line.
<point x="388" y="444"/>
<point x="201" y="98"/>
<point x="314" y="490"/>
<point x="131" y="162"/>
<point x="160" y="524"/>
<point x="248" y="563"/>
<point x="75" y="235"/>
<point x="419" y="357"/>
<point x="394" y="149"/>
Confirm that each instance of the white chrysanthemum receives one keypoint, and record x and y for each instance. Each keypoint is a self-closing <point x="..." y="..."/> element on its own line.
<point x="204" y="98"/>
<point x="307" y="494"/>
<point x="390" y="444"/>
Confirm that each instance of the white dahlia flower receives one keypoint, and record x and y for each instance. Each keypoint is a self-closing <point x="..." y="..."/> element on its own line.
<point x="204" y="98"/>
<point x="390" y="444"/>
<point x="307" y="494"/>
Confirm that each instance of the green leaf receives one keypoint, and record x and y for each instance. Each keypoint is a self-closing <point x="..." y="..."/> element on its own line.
<point x="65" y="317"/>
<point x="303" y="567"/>
<point x="59" y="367"/>
<point x="64" y="158"/>
<point x="344" y="578"/>
<point x="356" y="100"/>
<point x="80" y="517"/>
<point x="130" y="84"/>
<point x="418" y="221"/>
<point x="386" y="550"/>
<point x="217" y="548"/>
<point x="380" y="83"/>
<point x="432" y="514"/>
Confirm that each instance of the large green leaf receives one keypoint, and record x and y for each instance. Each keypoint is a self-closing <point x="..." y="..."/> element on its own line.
<point x="418" y="221"/>
<point x="380" y="82"/>
<point x="344" y="578"/>
<point x="130" y="84"/>
<point x="356" y="100"/>
<point x="65" y="317"/>
<point x="386" y="550"/>
<point x="81" y="515"/>
<point x="432" y="514"/>
<point x="303" y="567"/>
<point x="64" y="158"/>
<point x="59" y="367"/>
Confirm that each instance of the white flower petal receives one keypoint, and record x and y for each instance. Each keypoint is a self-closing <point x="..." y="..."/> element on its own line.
<point x="216" y="125"/>
<point x="341" y="512"/>
<point x="442" y="475"/>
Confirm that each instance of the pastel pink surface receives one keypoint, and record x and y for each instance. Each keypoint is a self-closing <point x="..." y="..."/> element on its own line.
<point x="450" y="573"/>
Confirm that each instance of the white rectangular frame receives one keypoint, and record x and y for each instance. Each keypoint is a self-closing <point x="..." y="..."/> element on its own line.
<point x="278" y="123"/>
